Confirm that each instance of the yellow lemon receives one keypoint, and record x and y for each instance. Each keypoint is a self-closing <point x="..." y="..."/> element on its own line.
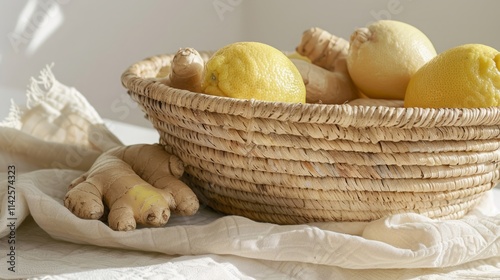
<point x="384" y="55"/>
<point x="466" y="76"/>
<point x="252" y="70"/>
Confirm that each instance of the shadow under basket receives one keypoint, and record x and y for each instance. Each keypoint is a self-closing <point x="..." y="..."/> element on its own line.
<point x="298" y="163"/>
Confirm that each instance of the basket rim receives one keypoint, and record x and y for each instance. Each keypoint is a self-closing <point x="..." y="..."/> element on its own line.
<point x="140" y="78"/>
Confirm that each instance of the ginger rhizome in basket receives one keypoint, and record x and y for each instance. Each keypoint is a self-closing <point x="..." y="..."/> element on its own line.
<point x="186" y="70"/>
<point x="326" y="77"/>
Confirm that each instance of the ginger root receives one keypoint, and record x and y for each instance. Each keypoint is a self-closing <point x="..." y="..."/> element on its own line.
<point x="138" y="183"/>
<point x="324" y="49"/>
<point x="323" y="86"/>
<point x="186" y="70"/>
<point x="326" y="78"/>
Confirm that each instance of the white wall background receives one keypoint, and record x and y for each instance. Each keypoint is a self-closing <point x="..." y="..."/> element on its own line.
<point x="92" y="42"/>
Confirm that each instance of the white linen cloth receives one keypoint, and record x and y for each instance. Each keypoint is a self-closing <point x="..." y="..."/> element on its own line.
<point x="52" y="242"/>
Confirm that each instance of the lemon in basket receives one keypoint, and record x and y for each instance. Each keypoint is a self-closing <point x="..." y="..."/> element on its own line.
<point x="252" y="70"/>
<point x="466" y="76"/>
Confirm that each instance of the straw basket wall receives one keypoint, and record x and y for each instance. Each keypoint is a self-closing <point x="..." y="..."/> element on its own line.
<point x="299" y="163"/>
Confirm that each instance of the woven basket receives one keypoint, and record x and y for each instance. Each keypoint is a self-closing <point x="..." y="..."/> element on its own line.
<point x="300" y="163"/>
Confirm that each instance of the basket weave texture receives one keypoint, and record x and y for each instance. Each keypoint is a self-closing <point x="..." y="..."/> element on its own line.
<point x="299" y="163"/>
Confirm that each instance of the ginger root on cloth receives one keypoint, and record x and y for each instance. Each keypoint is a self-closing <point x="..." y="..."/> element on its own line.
<point x="186" y="70"/>
<point x="138" y="183"/>
<point x="324" y="49"/>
